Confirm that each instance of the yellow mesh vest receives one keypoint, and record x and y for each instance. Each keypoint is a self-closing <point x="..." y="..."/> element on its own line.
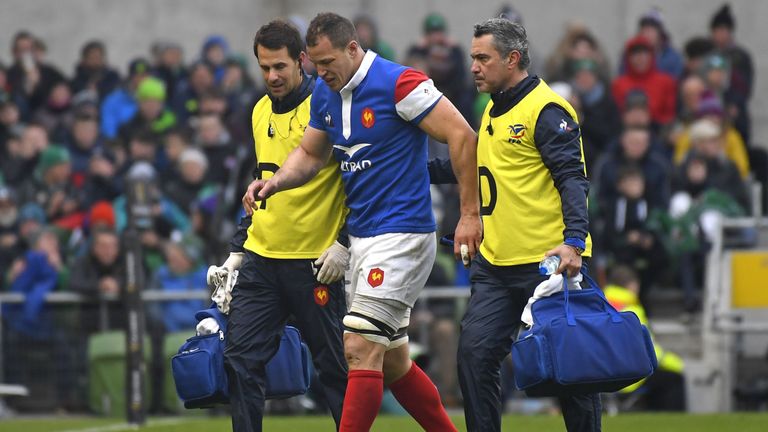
<point x="298" y="223"/>
<point x="521" y="208"/>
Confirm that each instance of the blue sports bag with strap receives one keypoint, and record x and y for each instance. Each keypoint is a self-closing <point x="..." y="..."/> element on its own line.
<point x="580" y="344"/>
<point x="198" y="368"/>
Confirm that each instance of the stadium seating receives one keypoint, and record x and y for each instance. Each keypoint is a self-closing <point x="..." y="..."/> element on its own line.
<point x="106" y="376"/>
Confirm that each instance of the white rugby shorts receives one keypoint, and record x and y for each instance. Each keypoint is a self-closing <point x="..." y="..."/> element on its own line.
<point x="389" y="267"/>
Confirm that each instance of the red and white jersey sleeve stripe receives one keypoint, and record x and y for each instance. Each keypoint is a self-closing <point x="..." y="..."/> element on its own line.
<point x="414" y="94"/>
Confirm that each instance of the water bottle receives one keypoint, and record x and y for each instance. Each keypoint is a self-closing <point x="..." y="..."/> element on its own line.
<point x="549" y="265"/>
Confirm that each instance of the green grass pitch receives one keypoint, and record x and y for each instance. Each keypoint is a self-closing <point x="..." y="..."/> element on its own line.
<point x="741" y="422"/>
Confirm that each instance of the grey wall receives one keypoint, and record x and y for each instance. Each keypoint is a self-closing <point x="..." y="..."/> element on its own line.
<point x="129" y="26"/>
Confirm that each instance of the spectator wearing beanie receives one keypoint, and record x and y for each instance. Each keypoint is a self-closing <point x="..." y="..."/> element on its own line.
<point x="101" y="216"/>
<point x="722" y="27"/>
<point x="710" y="108"/>
<point x="152" y="115"/>
<point x="706" y="166"/>
<point x="445" y="62"/>
<point x="51" y="187"/>
<point x="185" y="188"/>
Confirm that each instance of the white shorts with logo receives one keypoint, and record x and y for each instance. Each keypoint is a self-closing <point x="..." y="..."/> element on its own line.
<point x="387" y="273"/>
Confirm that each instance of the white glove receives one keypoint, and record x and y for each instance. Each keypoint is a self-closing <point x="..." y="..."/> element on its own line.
<point x="207" y="326"/>
<point x="332" y="263"/>
<point x="217" y="275"/>
<point x="223" y="279"/>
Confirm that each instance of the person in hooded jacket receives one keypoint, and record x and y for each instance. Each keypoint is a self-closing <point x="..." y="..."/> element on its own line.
<point x="640" y="72"/>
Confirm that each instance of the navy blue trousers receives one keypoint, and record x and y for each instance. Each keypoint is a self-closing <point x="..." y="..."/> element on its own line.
<point x="268" y="292"/>
<point x="492" y="320"/>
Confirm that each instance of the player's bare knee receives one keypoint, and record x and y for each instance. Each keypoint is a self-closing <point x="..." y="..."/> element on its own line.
<point x="361" y="353"/>
<point x="396" y="364"/>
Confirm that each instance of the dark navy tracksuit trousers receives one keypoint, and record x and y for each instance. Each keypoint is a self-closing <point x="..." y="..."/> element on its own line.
<point x="267" y="292"/>
<point x="499" y="295"/>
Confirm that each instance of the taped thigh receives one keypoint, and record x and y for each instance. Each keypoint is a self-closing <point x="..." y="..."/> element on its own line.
<point x="400" y="337"/>
<point x="369" y="328"/>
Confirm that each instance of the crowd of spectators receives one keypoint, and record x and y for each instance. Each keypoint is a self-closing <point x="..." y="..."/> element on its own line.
<point x="666" y="133"/>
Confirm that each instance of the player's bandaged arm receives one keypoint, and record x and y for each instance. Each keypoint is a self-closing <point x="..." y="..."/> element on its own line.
<point x="557" y="138"/>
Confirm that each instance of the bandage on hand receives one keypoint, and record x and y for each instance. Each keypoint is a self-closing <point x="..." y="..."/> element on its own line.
<point x="464" y="250"/>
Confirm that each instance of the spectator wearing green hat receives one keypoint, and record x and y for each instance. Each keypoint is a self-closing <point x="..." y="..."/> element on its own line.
<point x="445" y="62"/>
<point x="51" y="187"/>
<point x="152" y="114"/>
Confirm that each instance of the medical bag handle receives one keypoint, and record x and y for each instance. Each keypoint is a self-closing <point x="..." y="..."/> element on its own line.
<point x="615" y="316"/>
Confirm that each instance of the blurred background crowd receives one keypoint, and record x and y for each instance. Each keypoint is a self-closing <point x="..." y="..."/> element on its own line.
<point x="665" y="126"/>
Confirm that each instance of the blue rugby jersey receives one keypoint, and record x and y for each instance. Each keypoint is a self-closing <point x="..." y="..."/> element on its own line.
<point x="372" y="124"/>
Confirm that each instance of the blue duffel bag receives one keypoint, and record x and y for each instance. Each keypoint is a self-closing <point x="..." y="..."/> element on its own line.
<point x="580" y="344"/>
<point x="198" y="368"/>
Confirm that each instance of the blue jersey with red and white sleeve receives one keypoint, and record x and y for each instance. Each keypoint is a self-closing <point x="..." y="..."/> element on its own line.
<point x="372" y="124"/>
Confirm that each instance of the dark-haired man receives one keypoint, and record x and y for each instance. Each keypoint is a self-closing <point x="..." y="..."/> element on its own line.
<point x="279" y="244"/>
<point x="534" y="203"/>
<point x="374" y="117"/>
